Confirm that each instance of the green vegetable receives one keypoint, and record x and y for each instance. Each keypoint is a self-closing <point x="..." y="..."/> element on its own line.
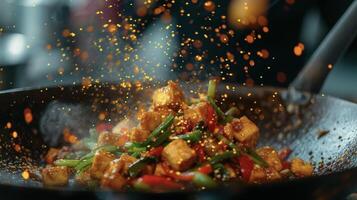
<point x="220" y="113"/>
<point x="223" y="156"/>
<point x="228" y="142"/>
<point x="203" y="180"/>
<point x="83" y="164"/>
<point x="232" y="111"/>
<point x="161" y="139"/>
<point x="139" y="165"/>
<point x="256" y="158"/>
<point x="193" y="136"/>
<point x="161" y="128"/>
<point x="211" y="91"/>
<point x="66" y="162"/>
<point x="108" y="148"/>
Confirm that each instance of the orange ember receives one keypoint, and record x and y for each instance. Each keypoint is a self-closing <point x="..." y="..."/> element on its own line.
<point x="28" y="115"/>
<point x="69" y="137"/>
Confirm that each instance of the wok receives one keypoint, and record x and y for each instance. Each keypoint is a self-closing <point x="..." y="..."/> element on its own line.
<point x="320" y="129"/>
<point x="77" y="109"/>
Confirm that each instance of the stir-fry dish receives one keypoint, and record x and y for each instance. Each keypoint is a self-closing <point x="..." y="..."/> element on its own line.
<point x="176" y="144"/>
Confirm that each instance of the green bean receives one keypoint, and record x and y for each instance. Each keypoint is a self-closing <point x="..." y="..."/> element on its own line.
<point x="161" y="139"/>
<point x="256" y="158"/>
<point x="138" y="166"/>
<point x="229" y="143"/>
<point x="223" y="156"/>
<point x="232" y="111"/>
<point x="162" y="127"/>
<point x="193" y="136"/>
<point x="211" y="91"/>
<point x="203" y="180"/>
<point x="83" y="164"/>
<point x="66" y="162"/>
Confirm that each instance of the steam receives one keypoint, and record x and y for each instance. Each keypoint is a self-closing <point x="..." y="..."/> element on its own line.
<point x="58" y="116"/>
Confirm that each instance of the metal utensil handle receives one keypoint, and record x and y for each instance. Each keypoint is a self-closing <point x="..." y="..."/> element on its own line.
<point x="314" y="73"/>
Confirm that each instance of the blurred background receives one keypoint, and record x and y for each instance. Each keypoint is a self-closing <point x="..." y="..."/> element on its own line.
<point x="250" y="42"/>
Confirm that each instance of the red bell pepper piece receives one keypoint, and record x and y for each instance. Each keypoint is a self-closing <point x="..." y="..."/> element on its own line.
<point x="159" y="181"/>
<point x="205" y="169"/>
<point x="200" y="152"/>
<point x="284" y="153"/>
<point x="174" y="175"/>
<point x="156" y="151"/>
<point x="246" y="166"/>
<point x="103" y="127"/>
<point x="286" y="164"/>
<point x="211" y="120"/>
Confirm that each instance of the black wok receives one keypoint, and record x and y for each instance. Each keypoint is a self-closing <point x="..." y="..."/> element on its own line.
<point x="72" y="107"/>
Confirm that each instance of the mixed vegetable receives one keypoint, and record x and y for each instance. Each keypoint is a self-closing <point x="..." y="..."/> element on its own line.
<point x="177" y="145"/>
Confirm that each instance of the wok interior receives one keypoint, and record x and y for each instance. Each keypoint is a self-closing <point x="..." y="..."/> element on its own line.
<point x="76" y="109"/>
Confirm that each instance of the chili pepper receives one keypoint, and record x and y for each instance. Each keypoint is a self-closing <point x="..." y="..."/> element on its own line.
<point x="200" y="152"/>
<point x="223" y="156"/>
<point x="203" y="180"/>
<point x="161" y="128"/>
<point x="66" y="162"/>
<point x="135" y="168"/>
<point x="156" y="151"/>
<point x="211" y="120"/>
<point x="104" y="127"/>
<point x="284" y="153"/>
<point x="175" y="175"/>
<point x="286" y="164"/>
<point x="152" y="181"/>
<point x="205" y="169"/>
<point x="246" y="166"/>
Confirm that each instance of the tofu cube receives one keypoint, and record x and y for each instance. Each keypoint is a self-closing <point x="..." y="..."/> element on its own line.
<point x="179" y="155"/>
<point x="271" y="157"/>
<point x="113" y="181"/>
<point x="159" y="170"/>
<point x="55" y="176"/>
<point x="170" y="96"/>
<point x="100" y="163"/>
<point x="272" y="174"/>
<point x="123" y="126"/>
<point x="258" y="175"/>
<point x="301" y="168"/>
<point x="244" y="130"/>
<point x="138" y="135"/>
<point x="107" y="138"/>
<point x="85" y="179"/>
<point x="150" y="120"/>
<point x="196" y="113"/>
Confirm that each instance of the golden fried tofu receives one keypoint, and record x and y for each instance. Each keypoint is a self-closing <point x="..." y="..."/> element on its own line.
<point x="123" y="126"/>
<point x="272" y="174"/>
<point x="196" y="113"/>
<point x="101" y="161"/>
<point x="271" y="157"/>
<point x="150" y="120"/>
<point x="232" y="128"/>
<point x="258" y="175"/>
<point x="55" y="176"/>
<point x="244" y="130"/>
<point x="107" y="138"/>
<point x="114" y="175"/>
<point x="85" y="178"/>
<point x="159" y="170"/>
<point x="179" y="155"/>
<point x="301" y="168"/>
<point x="170" y="96"/>
<point x="138" y="135"/>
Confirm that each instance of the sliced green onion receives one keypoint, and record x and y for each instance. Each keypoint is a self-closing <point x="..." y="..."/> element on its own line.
<point x="221" y="157"/>
<point x="161" y="139"/>
<point x="211" y="91"/>
<point x="139" y="165"/>
<point x="162" y="127"/>
<point x="193" y="136"/>
<point x="66" y="162"/>
<point x="203" y="180"/>
<point x="256" y="158"/>
<point x="83" y="163"/>
<point x="232" y="111"/>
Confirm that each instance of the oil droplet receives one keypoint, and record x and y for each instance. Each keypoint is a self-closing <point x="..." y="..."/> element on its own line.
<point x="25" y="175"/>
